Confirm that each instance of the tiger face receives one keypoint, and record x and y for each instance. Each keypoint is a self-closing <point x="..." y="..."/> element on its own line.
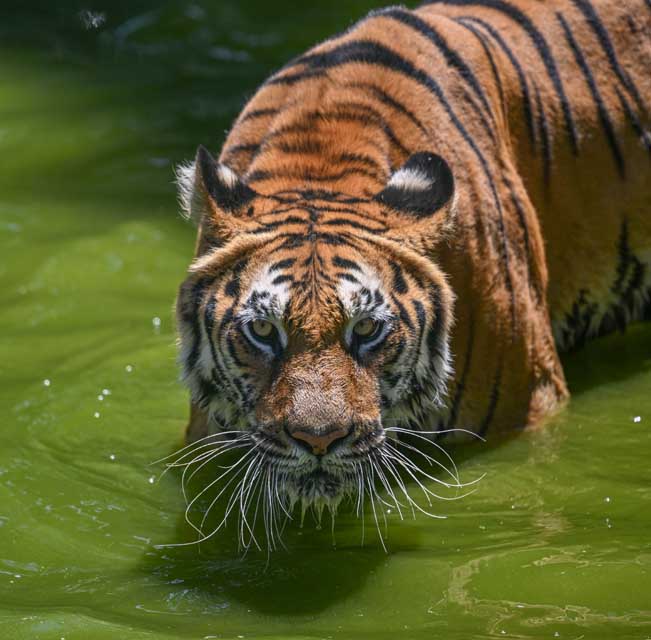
<point x="313" y="321"/>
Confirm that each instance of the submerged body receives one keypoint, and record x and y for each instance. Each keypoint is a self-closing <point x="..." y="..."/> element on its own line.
<point x="408" y="223"/>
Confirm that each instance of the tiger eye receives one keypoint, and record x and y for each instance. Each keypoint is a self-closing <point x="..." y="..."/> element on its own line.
<point x="365" y="328"/>
<point x="262" y="328"/>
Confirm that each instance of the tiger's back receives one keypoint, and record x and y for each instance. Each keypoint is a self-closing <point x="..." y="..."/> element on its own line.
<point x="542" y="112"/>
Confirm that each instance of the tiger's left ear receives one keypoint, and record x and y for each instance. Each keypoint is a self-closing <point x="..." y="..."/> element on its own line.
<point x="210" y="191"/>
<point x="420" y="188"/>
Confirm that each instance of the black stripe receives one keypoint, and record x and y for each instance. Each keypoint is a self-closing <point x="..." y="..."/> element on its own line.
<point x="294" y="78"/>
<point x="290" y="196"/>
<point x="361" y="158"/>
<point x="367" y="115"/>
<point x="298" y="206"/>
<point x="347" y="276"/>
<point x="480" y="116"/>
<point x="402" y="312"/>
<point x="452" y="58"/>
<point x="282" y="278"/>
<point x="344" y="263"/>
<point x="258" y="113"/>
<point x="492" y="403"/>
<point x="226" y="383"/>
<point x="399" y="282"/>
<point x="271" y="226"/>
<point x="438" y="313"/>
<point x="636" y="123"/>
<point x="239" y="148"/>
<point x="304" y="174"/>
<point x="545" y="140"/>
<point x="522" y="79"/>
<point x="338" y="222"/>
<point x="421" y="317"/>
<point x="371" y="52"/>
<point x="385" y="98"/>
<point x="296" y="240"/>
<point x="282" y="264"/>
<point x="604" y="117"/>
<point x="308" y="146"/>
<point x="190" y="314"/>
<point x="600" y="30"/>
<point x="461" y="385"/>
<point x="489" y="55"/>
<point x="342" y="112"/>
<point x="400" y="348"/>
<point x="522" y="220"/>
<point x="232" y="288"/>
<point x="541" y="45"/>
<point x="232" y="352"/>
<point x="233" y="381"/>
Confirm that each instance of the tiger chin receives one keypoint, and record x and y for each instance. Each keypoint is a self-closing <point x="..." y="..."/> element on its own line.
<point x="395" y="240"/>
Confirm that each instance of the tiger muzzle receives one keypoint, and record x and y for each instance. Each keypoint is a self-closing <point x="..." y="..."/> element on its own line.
<point x="320" y="440"/>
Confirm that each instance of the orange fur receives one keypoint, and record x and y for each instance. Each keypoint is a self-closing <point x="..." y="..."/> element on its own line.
<point x="541" y="112"/>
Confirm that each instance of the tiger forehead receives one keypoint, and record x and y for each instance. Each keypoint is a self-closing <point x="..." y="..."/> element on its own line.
<point x="318" y="288"/>
<point x="315" y="208"/>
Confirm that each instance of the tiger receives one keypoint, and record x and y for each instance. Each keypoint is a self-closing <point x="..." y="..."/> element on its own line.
<point x="406" y="226"/>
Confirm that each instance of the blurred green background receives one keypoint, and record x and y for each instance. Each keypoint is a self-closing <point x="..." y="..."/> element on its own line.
<point x="98" y="101"/>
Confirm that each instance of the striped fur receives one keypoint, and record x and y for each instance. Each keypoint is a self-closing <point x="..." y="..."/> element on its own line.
<point x="487" y="158"/>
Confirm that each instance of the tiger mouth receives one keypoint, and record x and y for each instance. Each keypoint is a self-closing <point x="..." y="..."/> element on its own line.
<point x="320" y="484"/>
<point x="263" y="482"/>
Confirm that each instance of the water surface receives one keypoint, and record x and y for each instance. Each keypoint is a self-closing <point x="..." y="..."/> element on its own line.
<point x="96" y="108"/>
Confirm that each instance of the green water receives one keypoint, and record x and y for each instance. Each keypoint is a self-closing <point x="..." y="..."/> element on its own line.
<point x="556" y="541"/>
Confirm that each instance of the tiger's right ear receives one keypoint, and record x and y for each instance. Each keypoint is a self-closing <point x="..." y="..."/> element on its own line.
<point x="210" y="192"/>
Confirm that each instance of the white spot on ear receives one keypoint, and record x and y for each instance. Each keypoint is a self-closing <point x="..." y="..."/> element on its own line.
<point x="191" y="197"/>
<point x="410" y="180"/>
<point x="227" y="176"/>
<point x="185" y="182"/>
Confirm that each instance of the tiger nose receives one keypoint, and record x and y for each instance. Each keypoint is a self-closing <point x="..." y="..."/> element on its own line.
<point x="318" y="442"/>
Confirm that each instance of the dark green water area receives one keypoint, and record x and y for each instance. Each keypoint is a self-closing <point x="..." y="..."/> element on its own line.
<point x="98" y="101"/>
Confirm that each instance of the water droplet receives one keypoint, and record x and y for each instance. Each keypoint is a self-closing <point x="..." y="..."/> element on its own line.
<point x="96" y="414"/>
<point x="128" y="368"/>
<point x="637" y="419"/>
<point x="100" y="397"/>
<point x="556" y="634"/>
<point x="106" y="392"/>
<point x="606" y="499"/>
<point x="46" y="382"/>
<point x="112" y="456"/>
<point x="152" y="479"/>
<point x="156" y="322"/>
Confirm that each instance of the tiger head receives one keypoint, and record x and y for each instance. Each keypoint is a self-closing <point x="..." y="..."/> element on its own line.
<point x="315" y="321"/>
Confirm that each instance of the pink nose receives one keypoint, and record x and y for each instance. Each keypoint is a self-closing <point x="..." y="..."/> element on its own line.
<point x="319" y="441"/>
